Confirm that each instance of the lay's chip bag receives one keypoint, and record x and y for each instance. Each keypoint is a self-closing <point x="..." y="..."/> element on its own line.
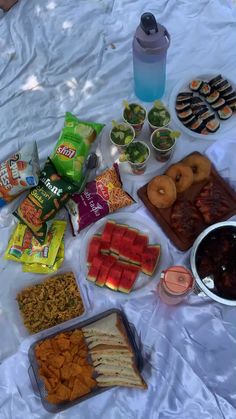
<point x="73" y="146"/>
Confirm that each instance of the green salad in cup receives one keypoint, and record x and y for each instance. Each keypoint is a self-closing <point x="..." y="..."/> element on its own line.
<point x="122" y="134"/>
<point x="134" y="113"/>
<point x="158" y="116"/>
<point x="136" y="152"/>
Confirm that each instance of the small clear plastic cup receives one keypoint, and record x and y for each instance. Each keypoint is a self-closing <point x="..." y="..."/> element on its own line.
<point x="163" y="154"/>
<point x="137" y="127"/>
<point x="122" y="147"/>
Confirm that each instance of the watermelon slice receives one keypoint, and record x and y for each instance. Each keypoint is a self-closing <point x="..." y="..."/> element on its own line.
<point x="127" y="243"/>
<point x="150" y="258"/>
<point x="94" y="268"/>
<point x="107" y="263"/>
<point x="128" y="278"/>
<point x="113" y="278"/>
<point x="106" y="236"/>
<point x="134" y="252"/>
<point x="93" y="248"/>
<point x="117" y="235"/>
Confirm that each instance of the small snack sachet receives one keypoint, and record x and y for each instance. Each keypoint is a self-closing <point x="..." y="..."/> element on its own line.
<point x="38" y="268"/>
<point x="101" y="196"/>
<point x="73" y="146"/>
<point x="23" y="246"/>
<point x="44" y="201"/>
<point x="19" y="173"/>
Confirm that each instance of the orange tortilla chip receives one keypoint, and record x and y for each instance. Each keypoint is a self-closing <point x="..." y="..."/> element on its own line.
<point x="66" y="371"/>
<point x="56" y="360"/>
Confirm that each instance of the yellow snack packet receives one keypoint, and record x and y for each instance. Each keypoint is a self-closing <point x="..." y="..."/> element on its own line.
<point x="38" y="268"/>
<point x="24" y="247"/>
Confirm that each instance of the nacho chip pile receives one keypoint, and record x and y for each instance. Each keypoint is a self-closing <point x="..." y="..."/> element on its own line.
<point x="64" y="368"/>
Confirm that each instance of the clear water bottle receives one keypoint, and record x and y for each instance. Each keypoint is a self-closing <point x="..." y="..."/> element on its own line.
<point x="150" y="44"/>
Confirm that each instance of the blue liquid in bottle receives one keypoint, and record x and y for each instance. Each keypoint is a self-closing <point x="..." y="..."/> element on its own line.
<point x="149" y="78"/>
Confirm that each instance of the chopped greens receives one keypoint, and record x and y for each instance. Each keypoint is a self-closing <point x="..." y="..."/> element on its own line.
<point x="122" y="134"/>
<point x="134" y="114"/>
<point x="137" y="152"/>
<point x="158" y="116"/>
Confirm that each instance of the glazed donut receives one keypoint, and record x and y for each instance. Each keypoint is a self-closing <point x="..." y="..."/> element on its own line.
<point x="182" y="176"/>
<point x="200" y="165"/>
<point x="161" y="191"/>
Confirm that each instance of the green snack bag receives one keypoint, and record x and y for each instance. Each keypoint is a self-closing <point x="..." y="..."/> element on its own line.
<point x="44" y="201"/>
<point x="73" y="146"/>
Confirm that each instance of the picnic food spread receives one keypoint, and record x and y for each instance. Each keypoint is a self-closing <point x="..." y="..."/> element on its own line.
<point x="184" y="198"/>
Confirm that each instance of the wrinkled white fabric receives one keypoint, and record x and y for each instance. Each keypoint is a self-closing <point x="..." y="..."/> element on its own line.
<point x="72" y="55"/>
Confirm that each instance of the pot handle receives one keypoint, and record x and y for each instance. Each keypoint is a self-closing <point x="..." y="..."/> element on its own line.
<point x="197" y="290"/>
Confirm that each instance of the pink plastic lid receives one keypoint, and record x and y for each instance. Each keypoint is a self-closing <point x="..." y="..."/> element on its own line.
<point x="177" y="280"/>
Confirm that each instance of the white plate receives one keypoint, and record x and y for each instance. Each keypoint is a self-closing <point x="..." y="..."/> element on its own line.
<point x="226" y="126"/>
<point x="110" y="155"/>
<point x="144" y="283"/>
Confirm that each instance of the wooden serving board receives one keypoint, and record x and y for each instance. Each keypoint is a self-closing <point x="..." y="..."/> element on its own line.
<point x="163" y="215"/>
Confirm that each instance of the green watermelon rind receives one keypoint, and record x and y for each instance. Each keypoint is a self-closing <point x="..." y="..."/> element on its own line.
<point x="145" y="271"/>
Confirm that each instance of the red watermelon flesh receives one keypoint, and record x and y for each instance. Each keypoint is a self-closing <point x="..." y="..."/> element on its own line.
<point x="107" y="263"/>
<point x="93" y="248"/>
<point x="117" y="235"/>
<point x="94" y="268"/>
<point x="113" y="278"/>
<point x="134" y="254"/>
<point x="128" y="278"/>
<point x="107" y="235"/>
<point x="150" y="258"/>
<point x="126" y="244"/>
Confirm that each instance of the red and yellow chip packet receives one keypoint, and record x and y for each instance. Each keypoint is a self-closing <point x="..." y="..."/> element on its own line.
<point x="101" y="196"/>
<point x="19" y="173"/>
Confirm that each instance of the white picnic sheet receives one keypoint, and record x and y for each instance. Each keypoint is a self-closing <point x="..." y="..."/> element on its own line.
<point x="72" y="55"/>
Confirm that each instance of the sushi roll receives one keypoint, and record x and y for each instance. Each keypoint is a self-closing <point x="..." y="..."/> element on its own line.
<point x="207" y="116"/>
<point x="213" y="97"/>
<point x="181" y="106"/>
<point x="201" y="111"/>
<point x="233" y="105"/>
<point x="230" y="96"/>
<point x="205" y="89"/>
<point x="195" y="85"/>
<point x="205" y="131"/>
<point x="219" y="104"/>
<point x="185" y="114"/>
<point x="184" y="97"/>
<point x="215" y="80"/>
<point x="231" y="101"/>
<point x="197" y="126"/>
<point x="196" y="100"/>
<point x="227" y="92"/>
<point x="190" y="121"/>
<point x="220" y="84"/>
<point x="223" y="88"/>
<point x="225" y="112"/>
<point x="213" y="125"/>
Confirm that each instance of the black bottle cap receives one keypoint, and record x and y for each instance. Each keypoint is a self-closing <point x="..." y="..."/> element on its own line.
<point x="148" y="23"/>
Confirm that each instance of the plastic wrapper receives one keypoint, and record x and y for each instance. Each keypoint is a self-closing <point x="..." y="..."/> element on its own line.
<point x="19" y="173"/>
<point x="38" y="268"/>
<point x="44" y="201"/>
<point x="101" y="196"/>
<point x="24" y="248"/>
<point x="73" y="146"/>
